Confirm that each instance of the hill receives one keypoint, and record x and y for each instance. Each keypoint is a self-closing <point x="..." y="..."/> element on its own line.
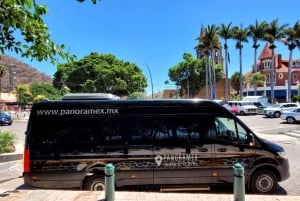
<point x="23" y="73"/>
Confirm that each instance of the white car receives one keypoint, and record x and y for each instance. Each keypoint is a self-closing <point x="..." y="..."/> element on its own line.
<point x="291" y="116"/>
<point x="276" y="110"/>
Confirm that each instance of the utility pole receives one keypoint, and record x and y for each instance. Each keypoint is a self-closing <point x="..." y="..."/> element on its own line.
<point x="150" y="79"/>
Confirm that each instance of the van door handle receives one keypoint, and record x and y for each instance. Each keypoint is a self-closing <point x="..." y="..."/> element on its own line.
<point x="222" y="150"/>
<point x="203" y="149"/>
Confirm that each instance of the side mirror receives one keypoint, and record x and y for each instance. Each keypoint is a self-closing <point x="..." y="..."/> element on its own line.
<point x="251" y="140"/>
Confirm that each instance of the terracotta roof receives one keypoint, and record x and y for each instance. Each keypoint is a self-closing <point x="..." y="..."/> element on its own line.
<point x="266" y="52"/>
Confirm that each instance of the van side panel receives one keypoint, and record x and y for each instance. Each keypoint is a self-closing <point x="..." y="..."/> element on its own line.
<point x="150" y="142"/>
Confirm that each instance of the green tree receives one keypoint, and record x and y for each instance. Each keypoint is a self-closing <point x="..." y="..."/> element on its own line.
<point x="24" y="18"/>
<point x="235" y="81"/>
<point x="23" y="94"/>
<point x="256" y="79"/>
<point x="292" y="40"/>
<point x="210" y="41"/>
<point x="257" y="32"/>
<point x="190" y="75"/>
<point x="274" y="32"/>
<point x="241" y="36"/>
<point x="42" y="90"/>
<point x="226" y="33"/>
<point x="100" y="73"/>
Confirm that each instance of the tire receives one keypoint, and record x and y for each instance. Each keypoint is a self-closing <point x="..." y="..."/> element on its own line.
<point x="264" y="182"/>
<point x="290" y="120"/>
<point x="242" y="113"/>
<point x="277" y="114"/>
<point x="95" y="183"/>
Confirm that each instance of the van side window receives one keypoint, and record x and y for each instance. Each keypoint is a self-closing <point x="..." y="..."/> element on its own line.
<point x="180" y="131"/>
<point x="229" y="130"/>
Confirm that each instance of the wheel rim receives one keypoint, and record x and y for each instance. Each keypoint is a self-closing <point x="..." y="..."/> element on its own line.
<point x="290" y="120"/>
<point x="264" y="183"/>
<point x="98" y="186"/>
<point x="277" y="114"/>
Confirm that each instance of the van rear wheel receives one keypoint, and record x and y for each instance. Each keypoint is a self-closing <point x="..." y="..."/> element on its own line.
<point x="264" y="182"/>
<point x="95" y="183"/>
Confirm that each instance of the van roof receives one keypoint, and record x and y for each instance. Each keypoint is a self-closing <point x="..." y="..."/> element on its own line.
<point x="89" y="96"/>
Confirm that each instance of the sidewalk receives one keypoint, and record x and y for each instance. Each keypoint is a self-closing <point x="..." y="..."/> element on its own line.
<point x="53" y="195"/>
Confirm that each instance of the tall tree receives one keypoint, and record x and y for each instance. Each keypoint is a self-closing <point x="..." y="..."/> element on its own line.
<point x="257" y="32"/>
<point x="100" y="73"/>
<point x="23" y="94"/>
<point x="235" y="81"/>
<point x="274" y="32"/>
<point x="45" y="90"/>
<point x="24" y="19"/>
<point x="210" y="41"/>
<point x="226" y="33"/>
<point x="241" y="36"/>
<point x="292" y="40"/>
<point x="256" y="79"/>
<point x="188" y="75"/>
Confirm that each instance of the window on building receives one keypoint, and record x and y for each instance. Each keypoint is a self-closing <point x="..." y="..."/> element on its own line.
<point x="267" y="64"/>
<point x="268" y="80"/>
<point x="295" y="77"/>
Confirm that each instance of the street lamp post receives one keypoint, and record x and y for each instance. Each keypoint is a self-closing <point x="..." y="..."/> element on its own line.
<point x="150" y="79"/>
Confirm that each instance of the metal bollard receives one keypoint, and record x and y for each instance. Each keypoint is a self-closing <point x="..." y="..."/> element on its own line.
<point x="109" y="182"/>
<point x="239" y="182"/>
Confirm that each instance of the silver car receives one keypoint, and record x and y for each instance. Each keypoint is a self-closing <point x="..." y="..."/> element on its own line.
<point x="276" y="111"/>
<point x="291" y="116"/>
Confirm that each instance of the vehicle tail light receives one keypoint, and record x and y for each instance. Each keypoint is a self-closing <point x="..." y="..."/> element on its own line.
<point x="26" y="161"/>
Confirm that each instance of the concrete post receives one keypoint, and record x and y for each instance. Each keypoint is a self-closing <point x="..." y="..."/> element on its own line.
<point x="239" y="182"/>
<point x="109" y="182"/>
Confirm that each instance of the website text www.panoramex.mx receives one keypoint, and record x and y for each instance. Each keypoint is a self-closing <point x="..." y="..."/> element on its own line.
<point x="63" y="112"/>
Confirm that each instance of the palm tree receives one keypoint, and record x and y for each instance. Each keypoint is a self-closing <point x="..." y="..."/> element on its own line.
<point x="210" y="40"/>
<point x="225" y="32"/>
<point x="235" y="81"/>
<point x="292" y="40"/>
<point x="256" y="79"/>
<point x="274" y="32"/>
<point x="257" y="32"/>
<point x="240" y="35"/>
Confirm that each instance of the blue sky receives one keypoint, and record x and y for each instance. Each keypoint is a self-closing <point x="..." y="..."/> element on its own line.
<point x="156" y="32"/>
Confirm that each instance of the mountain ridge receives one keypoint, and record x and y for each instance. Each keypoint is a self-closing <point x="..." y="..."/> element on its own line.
<point x="22" y="73"/>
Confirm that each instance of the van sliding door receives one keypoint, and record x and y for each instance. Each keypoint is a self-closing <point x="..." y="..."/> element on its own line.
<point x="181" y="153"/>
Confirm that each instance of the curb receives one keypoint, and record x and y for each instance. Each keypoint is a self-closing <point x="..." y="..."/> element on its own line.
<point x="10" y="157"/>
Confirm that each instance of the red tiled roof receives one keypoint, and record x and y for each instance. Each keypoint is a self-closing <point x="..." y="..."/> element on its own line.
<point x="266" y="52"/>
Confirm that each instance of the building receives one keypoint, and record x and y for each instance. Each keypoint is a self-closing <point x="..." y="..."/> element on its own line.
<point x="264" y="66"/>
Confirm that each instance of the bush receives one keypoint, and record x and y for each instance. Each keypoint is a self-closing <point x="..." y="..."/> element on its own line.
<point x="7" y="140"/>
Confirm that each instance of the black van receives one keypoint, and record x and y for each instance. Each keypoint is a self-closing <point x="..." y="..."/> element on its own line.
<point x="161" y="143"/>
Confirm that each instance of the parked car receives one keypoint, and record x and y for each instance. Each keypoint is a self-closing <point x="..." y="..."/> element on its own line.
<point x="244" y="107"/>
<point x="291" y="116"/>
<point x="5" y="119"/>
<point x="276" y="110"/>
<point x="261" y="106"/>
<point x="233" y="110"/>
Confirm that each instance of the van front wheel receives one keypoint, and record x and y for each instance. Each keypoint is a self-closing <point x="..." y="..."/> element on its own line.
<point x="94" y="183"/>
<point x="264" y="182"/>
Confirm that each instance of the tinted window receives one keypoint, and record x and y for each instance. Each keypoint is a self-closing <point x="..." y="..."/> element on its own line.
<point x="230" y="131"/>
<point x="77" y="135"/>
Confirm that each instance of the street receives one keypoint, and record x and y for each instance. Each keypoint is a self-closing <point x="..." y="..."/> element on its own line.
<point x="273" y="129"/>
